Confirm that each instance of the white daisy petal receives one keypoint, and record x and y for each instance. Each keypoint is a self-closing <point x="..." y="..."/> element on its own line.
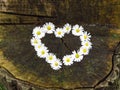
<point x="67" y="28"/>
<point x="59" y="33"/>
<point x="85" y="36"/>
<point x="42" y="53"/>
<point x="35" y="41"/>
<point x="49" y="27"/>
<point x="81" y="28"/>
<point x="84" y="50"/>
<point x="87" y="44"/>
<point x="77" y="30"/>
<point x="77" y="56"/>
<point x="38" y="32"/>
<point x="50" y="58"/>
<point x="56" y="65"/>
<point x="68" y="60"/>
<point x="39" y="46"/>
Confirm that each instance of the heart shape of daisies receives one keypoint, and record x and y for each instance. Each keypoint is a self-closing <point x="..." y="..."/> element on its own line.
<point x="75" y="56"/>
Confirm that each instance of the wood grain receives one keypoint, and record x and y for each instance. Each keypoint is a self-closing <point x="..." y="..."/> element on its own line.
<point x="100" y="18"/>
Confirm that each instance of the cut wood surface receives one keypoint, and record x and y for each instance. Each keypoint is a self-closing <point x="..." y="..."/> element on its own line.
<point x="20" y="59"/>
<point x="73" y="11"/>
<point x="27" y="7"/>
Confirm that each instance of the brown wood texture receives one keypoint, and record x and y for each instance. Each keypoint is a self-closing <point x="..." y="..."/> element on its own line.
<point x="100" y="18"/>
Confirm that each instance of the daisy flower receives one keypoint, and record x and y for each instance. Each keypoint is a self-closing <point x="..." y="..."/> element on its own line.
<point x="67" y="28"/>
<point x="77" y="56"/>
<point x="85" y="36"/>
<point x="35" y="41"/>
<point x="56" y="65"/>
<point x="77" y="30"/>
<point x="87" y="44"/>
<point x="84" y="50"/>
<point x="38" y="32"/>
<point x="43" y="52"/>
<point x="68" y="60"/>
<point x="39" y="46"/>
<point x="50" y="58"/>
<point x="49" y="27"/>
<point x="59" y="33"/>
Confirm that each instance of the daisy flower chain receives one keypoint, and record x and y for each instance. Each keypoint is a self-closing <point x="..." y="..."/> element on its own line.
<point x="75" y="56"/>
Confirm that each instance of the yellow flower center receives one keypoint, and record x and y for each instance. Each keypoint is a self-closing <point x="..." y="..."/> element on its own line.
<point x="77" y="30"/>
<point x="85" y="36"/>
<point x="67" y="28"/>
<point x="86" y="44"/>
<point x="59" y="33"/>
<point x="39" y="46"/>
<point x="49" y="27"/>
<point x="84" y="50"/>
<point x="35" y="41"/>
<point x="68" y="60"/>
<point x="56" y="64"/>
<point x="50" y="57"/>
<point x="77" y="55"/>
<point x="38" y="33"/>
<point x="42" y="52"/>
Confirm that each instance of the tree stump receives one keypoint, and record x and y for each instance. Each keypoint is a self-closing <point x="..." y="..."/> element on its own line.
<point x="19" y="58"/>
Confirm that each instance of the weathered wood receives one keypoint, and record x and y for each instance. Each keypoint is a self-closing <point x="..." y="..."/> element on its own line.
<point x="27" y="7"/>
<point x="92" y="11"/>
<point x="8" y="19"/>
<point x="5" y="18"/>
<point x="74" y="11"/>
<point x="19" y="57"/>
<point x="25" y="13"/>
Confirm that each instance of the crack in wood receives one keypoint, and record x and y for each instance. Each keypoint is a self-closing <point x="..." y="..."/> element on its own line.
<point x="20" y="14"/>
<point x="99" y="81"/>
<point x="38" y="86"/>
<point x="94" y="87"/>
<point x="110" y="70"/>
<point x="93" y="25"/>
<point x="17" y="23"/>
<point x="65" y="45"/>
